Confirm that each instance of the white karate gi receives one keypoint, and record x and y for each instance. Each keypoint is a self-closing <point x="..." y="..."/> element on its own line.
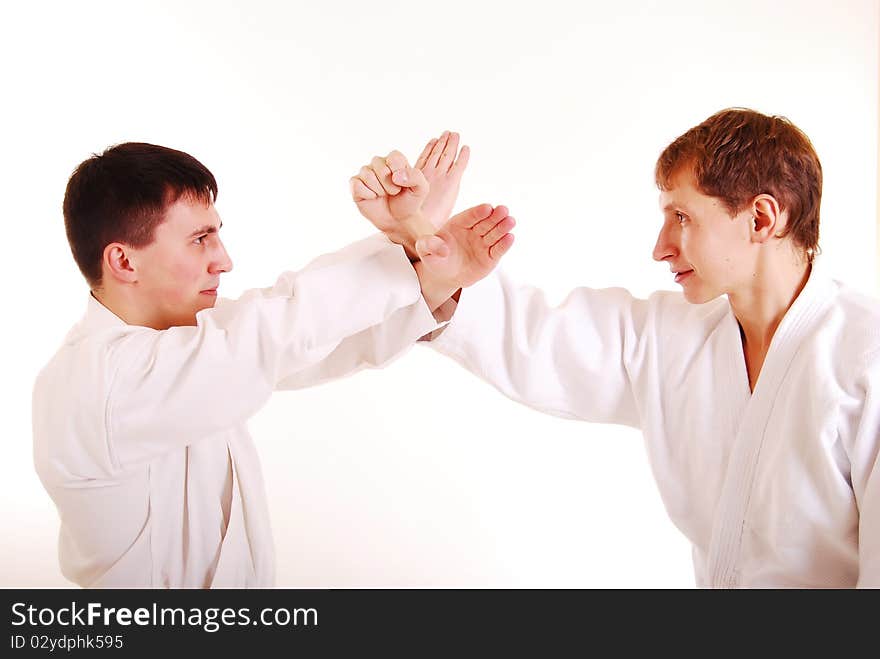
<point x="779" y="488"/>
<point x="139" y="434"/>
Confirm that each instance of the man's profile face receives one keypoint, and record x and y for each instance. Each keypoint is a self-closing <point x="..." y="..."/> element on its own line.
<point x="179" y="272"/>
<point x="706" y="246"/>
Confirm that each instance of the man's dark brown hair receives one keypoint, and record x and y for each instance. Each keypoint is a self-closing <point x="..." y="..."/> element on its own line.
<point x="122" y="195"/>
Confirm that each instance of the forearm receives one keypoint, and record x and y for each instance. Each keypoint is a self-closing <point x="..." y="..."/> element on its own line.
<point x="412" y="228"/>
<point x="435" y="290"/>
<point x="373" y="347"/>
<point x="569" y="360"/>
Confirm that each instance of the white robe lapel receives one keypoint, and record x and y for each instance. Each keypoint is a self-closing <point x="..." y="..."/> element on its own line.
<point x="727" y="531"/>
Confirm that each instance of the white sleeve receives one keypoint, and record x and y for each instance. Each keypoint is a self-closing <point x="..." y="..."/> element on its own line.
<point x="173" y="387"/>
<point x="863" y="447"/>
<point x="373" y="347"/>
<point x="574" y="360"/>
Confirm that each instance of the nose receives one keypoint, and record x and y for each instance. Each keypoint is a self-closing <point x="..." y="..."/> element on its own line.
<point x="666" y="246"/>
<point x="221" y="261"/>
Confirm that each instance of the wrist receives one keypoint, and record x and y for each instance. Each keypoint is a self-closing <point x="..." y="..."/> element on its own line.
<point x="435" y="290"/>
<point x="412" y="228"/>
<point x="401" y="238"/>
<point x="416" y="226"/>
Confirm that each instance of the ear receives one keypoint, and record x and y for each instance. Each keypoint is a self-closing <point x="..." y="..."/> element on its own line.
<point x="767" y="220"/>
<point x="118" y="263"/>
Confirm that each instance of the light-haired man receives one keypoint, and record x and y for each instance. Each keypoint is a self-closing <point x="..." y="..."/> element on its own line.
<point x="757" y="388"/>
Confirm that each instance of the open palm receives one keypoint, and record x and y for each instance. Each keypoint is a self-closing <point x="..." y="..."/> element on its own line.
<point x="469" y="246"/>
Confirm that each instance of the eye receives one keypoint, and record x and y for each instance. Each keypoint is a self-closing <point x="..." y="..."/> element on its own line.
<point x="681" y="218"/>
<point x="200" y="240"/>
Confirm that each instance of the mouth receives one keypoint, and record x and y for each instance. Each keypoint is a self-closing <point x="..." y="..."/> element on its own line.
<point x="209" y="291"/>
<point x="681" y="276"/>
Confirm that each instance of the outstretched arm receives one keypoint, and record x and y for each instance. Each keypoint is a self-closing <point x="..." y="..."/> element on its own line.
<point x="356" y="308"/>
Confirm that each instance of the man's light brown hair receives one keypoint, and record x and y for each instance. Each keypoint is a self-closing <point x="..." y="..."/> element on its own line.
<point x="738" y="154"/>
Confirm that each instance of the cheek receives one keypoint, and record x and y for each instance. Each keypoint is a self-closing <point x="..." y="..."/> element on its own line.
<point x="691" y="245"/>
<point x="702" y="245"/>
<point x="187" y="272"/>
<point x="180" y="279"/>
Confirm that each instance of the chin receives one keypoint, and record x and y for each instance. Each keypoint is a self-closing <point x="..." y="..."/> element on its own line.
<point x="207" y="303"/>
<point x="696" y="296"/>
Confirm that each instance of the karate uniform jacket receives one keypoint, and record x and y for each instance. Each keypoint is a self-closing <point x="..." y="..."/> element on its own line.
<point x="139" y="434"/>
<point x="776" y="488"/>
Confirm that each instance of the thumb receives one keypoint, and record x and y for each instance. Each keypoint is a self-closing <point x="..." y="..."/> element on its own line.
<point x="413" y="179"/>
<point x="429" y="247"/>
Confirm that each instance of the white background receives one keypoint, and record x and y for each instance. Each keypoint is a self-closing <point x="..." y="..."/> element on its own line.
<point x="418" y="475"/>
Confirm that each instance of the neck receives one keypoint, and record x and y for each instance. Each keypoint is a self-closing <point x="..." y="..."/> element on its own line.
<point x="125" y="308"/>
<point x="762" y="302"/>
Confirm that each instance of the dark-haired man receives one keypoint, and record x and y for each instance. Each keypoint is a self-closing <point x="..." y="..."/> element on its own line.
<point x="139" y="418"/>
<point x="757" y="389"/>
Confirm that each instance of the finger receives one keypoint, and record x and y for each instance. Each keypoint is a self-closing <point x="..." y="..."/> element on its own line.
<point x="368" y="177"/>
<point x="472" y="216"/>
<point x="396" y="160"/>
<point x="449" y="152"/>
<point x="485" y="226"/>
<point x="501" y="248"/>
<point x="498" y="231"/>
<point x="429" y="246"/>
<point x="405" y="176"/>
<point x="383" y="174"/>
<point x="423" y="156"/>
<point x="359" y="190"/>
<point x="462" y="161"/>
<point x="437" y="150"/>
<point x="413" y="179"/>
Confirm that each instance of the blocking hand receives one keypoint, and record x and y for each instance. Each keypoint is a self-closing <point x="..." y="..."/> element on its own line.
<point x="468" y="247"/>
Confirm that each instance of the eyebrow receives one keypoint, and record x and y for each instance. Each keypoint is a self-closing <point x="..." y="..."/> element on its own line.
<point x="208" y="228"/>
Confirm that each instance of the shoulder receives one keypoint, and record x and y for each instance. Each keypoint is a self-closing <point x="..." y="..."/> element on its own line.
<point x="862" y="309"/>
<point x="89" y="358"/>
<point x="843" y="343"/>
<point x="672" y="313"/>
<point x="852" y="323"/>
